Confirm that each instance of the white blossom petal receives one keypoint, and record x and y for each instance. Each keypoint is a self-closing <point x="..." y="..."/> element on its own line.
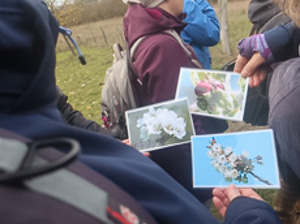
<point x="228" y="150"/>
<point x="245" y="153"/>
<point x="144" y="133"/>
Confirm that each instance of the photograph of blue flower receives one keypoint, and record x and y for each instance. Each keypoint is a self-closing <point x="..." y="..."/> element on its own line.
<point x="160" y="125"/>
<point x="246" y="159"/>
<point x="213" y="93"/>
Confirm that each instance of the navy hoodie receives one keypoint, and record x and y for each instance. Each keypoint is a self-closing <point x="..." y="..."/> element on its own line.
<point x="28" y="34"/>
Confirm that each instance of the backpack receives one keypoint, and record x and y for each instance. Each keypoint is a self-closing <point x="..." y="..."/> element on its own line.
<point x="118" y="93"/>
<point x="39" y="184"/>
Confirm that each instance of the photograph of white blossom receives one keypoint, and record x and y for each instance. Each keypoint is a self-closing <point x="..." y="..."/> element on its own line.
<point x="246" y="159"/>
<point x="160" y="125"/>
<point x="213" y="93"/>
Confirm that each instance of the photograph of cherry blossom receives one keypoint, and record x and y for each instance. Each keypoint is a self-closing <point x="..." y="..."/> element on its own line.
<point x="160" y="125"/>
<point x="213" y="93"/>
<point x="246" y="159"/>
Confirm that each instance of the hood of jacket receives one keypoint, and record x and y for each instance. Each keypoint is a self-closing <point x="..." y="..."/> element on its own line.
<point x="28" y="34"/>
<point x="140" y="21"/>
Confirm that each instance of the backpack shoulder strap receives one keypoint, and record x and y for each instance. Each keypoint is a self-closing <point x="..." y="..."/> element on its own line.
<point x="130" y="54"/>
<point x="174" y="34"/>
<point x="135" y="45"/>
<point x="117" y="49"/>
<point x="171" y="32"/>
<point x="279" y="18"/>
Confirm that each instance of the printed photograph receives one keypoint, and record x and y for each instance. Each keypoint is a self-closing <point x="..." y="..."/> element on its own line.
<point x="213" y="93"/>
<point x="246" y="159"/>
<point x="160" y="125"/>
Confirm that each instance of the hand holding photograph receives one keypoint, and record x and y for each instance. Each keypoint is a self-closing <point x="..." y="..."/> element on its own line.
<point x="160" y="125"/>
<point x="213" y="93"/>
<point x="246" y="159"/>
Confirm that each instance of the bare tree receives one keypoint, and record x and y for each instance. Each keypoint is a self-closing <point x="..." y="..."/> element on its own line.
<point x="55" y="4"/>
<point x="222" y="4"/>
<point x="57" y="7"/>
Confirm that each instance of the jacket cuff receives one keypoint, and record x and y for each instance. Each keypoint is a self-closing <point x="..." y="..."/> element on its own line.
<point x="249" y="210"/>
<point x="279" y="41"/>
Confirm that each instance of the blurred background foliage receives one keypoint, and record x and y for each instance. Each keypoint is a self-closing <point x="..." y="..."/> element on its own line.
<point x="77" y="12"/>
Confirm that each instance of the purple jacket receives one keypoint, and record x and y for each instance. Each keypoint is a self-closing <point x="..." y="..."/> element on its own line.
<point x="159" y="57"/>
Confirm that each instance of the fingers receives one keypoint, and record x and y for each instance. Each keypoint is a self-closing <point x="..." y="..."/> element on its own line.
<point x="240" y="63"/>
<point x="252" y="65"/>
<point x="223" y="197"/>
<point x="220" y="201"/>
<point x="249" y="68"/>
<point x="257" y="77"/>
<point x="262" y="75"/>
<point x="248" y="192"/>
<point x="256" y="80"/>
<point x="219" y="206"/>
<point x="232" y="192"/>
<point x="147" y="154"/>
<point x="127" y="142"/>
<point x="219" y="193"/>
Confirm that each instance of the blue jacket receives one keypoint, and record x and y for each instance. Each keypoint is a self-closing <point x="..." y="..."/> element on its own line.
<point x="28" y="107"/>
<point x="202" y="30"/>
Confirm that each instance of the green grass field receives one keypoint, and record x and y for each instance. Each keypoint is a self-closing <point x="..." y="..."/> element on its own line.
<point x="83" y="83"/>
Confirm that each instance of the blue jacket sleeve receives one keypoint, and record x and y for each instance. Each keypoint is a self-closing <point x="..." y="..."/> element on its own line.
<point x="250" y="211"/>
<point x="283" y="41"/>
<point x="202" y="23"/>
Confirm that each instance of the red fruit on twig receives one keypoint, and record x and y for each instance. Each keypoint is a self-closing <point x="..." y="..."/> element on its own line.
<point x="202" y="88"/>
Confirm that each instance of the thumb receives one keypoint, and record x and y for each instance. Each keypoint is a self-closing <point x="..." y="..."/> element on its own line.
<point x="240" y="63"/>
<point x="232" y="192"/>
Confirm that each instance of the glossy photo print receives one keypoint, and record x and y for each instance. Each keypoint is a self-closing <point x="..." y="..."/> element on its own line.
<point x="160" y="125"/>
<point x="246" y="159"/>
<point x="213" y="93"/>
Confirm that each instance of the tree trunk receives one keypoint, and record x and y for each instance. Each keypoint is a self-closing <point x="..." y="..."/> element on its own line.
<point x="222" y="4"/>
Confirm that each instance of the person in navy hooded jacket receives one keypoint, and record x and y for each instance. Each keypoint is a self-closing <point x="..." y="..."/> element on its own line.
<point x="28" y="107"/>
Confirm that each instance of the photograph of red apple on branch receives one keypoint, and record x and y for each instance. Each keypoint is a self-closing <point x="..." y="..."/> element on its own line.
<point x="213" y="93"/>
